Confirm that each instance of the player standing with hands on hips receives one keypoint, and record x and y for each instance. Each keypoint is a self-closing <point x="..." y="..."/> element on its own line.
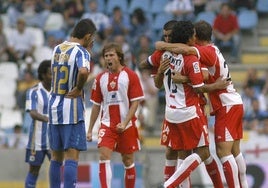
<point x="117" y="91"/>
<point x="70" y="69"/>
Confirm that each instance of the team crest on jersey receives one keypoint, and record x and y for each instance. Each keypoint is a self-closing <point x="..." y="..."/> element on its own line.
<point x="112" y="84"/>
<point x="32" y="158"/>
<point x="196" y="67"/>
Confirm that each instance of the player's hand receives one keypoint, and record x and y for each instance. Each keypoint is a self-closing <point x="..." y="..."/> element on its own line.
<point x="164" y="65"/>
<point x="120" y="127"/>
<point x="222" y="83"/>
<point x="74" y="93"/>
<point x="89" y="136"/>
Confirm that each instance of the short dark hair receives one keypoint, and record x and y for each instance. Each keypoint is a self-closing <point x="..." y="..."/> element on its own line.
<point x="169" y="24"/>
<point x="83" y="27"/>
<point x="203" y="30"/>
<point x="43" y="68"/>
<point x="182" y="32"/>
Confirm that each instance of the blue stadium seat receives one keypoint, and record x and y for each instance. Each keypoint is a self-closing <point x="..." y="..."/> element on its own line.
<point x="248" y="19"/>
<point x="123" y="4"/>
<point x="143" y="4"/>
<point x="157" y="6"/>
<point x="160" y="19"/>
<point x="207" y="16"/>
<point x="262" y="6"/>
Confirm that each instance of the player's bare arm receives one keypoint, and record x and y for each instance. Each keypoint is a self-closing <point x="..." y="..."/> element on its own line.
<point x="144" y="64"/>
<point x="120" y="127"/>
<point x="178" y="78"/>
<point x="220" y="83"/>
<point x="93" y="117"/>
<point x="81" y="80"/>
<point x="158" y="78"/>
<point x="177" y="48"/>
<point x="37" y="116"/>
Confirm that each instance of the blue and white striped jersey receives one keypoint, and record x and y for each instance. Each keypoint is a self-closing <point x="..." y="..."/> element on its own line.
<point x="37" y="99"/>
<point x="67" y="58"/>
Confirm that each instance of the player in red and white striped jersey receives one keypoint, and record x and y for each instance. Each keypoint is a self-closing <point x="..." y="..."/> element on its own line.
<point x="183" y="110"/>
<point x="117" y="93"/>
<point x="225" y="103"/>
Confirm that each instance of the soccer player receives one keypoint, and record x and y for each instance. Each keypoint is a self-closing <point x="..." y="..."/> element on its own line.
<point x="37" y="105"/>
<point x="225" y="103"/>
<point x="183" y="112"/>
<point x="117" y="91"/>
<point x="173" y="158"/>
<point x="153" y="62"/>
<point x="67" y="135"/>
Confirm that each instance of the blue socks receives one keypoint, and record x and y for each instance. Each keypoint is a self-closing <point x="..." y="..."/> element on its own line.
<point x="70" y="173"/>
<point x="30" y="181"/>
<point x="54" y="174"/>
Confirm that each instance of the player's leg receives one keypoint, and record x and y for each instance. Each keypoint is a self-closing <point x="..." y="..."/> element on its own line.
<point x="241" y="164"/>
<point x="128" y="144"/>
<point x="213" y="171"/>
<point x="191" y="134"/>
<point x="74" y="141"/>
<point x="55" y="168"/>
<point x="105" y="171"/>
<point x="229" y="165"/>
<point x="35" y="160"/>
<point x="170" y="162"/>
<point x="181" y="156"/>
<point x="32" y="176"/>
<point x="130" y="171"/>
<point x="57" y="156"/>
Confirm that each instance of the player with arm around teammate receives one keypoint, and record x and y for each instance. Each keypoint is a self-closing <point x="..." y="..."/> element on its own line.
<point x="183" y="111"/>
<point x="67" y="135"/>
<point x="117" y="91"/>
<point x="223" y="102"/>
<point x="37" y="105"/>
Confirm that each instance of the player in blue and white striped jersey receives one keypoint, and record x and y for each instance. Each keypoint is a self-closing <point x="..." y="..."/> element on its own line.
<point x="37" y="106"/>
<point x="67" y="136"/>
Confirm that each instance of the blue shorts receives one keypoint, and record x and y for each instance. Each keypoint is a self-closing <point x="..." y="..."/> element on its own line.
<point x="36" y="158"/>
<point x="63" y="137"/>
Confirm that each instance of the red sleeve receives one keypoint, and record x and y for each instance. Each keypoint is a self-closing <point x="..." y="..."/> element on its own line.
<point x="193" y="70"/>
<point x="154" y="60"/>
<point x="208" y="56"/>
<point x="96" y="95"/>
<point x="135" y="90"/>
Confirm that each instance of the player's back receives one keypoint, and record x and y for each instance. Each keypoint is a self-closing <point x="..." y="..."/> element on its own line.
<point x="68" y="57"/>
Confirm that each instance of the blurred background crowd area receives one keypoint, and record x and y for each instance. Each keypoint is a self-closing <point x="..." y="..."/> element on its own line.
<point x="30" y="29"/>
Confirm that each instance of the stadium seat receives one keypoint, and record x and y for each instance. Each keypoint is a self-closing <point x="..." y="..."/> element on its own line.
<point x="207" y="16"/>
<point x="144" y="5"/>
<point x="55" y="21"/>
<point x="5" y="20"/>
<point x="8" y="67"/>
<point x="42" y="53"/>
<point x="10" y="118"/>
<point x="8" y="87"/>
<point x="159" y="21"/>
<point x="123" y="4"/>
<point x="262" y="6"/>
<point x="158" y="6"/>
<point x="38" y="34"/>
<point x="248" y="19"/>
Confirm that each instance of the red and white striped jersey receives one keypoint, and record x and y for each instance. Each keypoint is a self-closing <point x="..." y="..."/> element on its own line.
<point x="181" y="99"/>
<point x="217" y="67"/>
<point x="115" y="91"/>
